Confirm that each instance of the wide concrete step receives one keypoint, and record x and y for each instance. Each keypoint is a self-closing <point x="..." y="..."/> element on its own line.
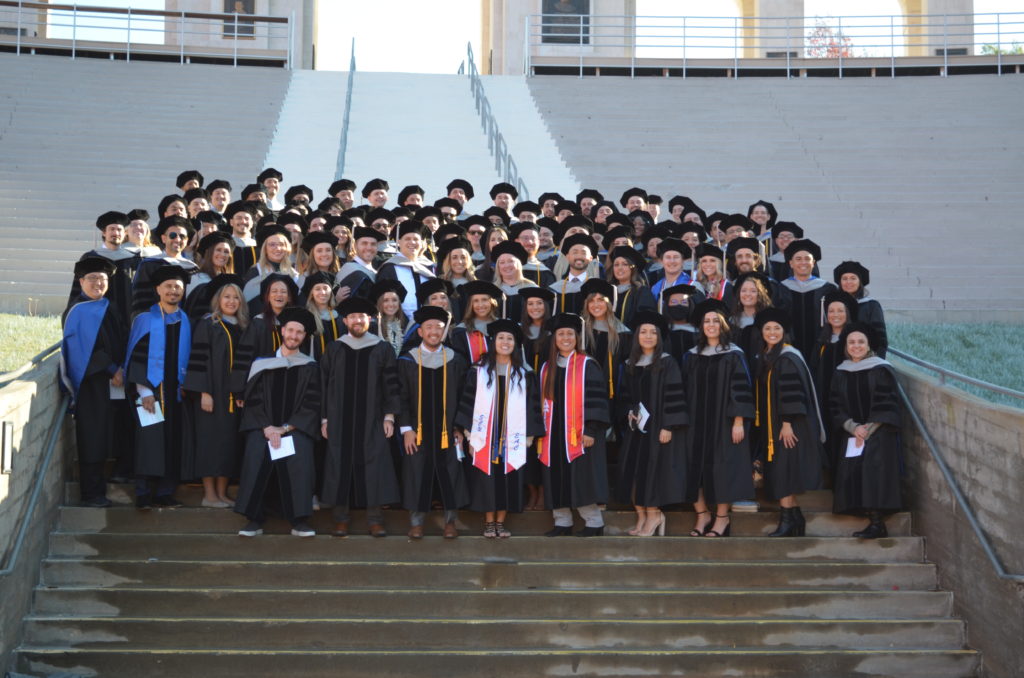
<point x="226" y="522"/>
<point x="271" y="548"/>
<point x="497" y="663"/>
<point x="305" y="603"/>
<point x="489" y="573"/>
<point x="457" y="632"/>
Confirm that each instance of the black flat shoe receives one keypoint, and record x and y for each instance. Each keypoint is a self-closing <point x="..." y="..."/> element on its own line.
<point x="591" y="532"/>
<point x="559" y="531"/>
<point x="143" y="502"/>
<point x="97" y="502"/>
<point x="167" y="501"/>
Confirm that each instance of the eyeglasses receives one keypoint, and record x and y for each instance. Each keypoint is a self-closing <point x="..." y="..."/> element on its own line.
<point x="175" y="235"/>
<point x="96" y="277"/>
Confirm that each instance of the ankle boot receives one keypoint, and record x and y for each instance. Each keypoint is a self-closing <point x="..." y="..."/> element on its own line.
<point x="876" y="528"/>
<point x="801" y="523"/>
<point x="787" y="524"/>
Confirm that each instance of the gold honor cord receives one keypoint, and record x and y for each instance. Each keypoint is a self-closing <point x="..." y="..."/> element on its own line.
<point x="502" y="431"/>
<point x="611" y="385"/>
<point x="231" y="364"/>
<point x="444" y="398"/>
<point x="625" y="300"/>
<point x="771" y="435"/>
<point x="564" y="283"/>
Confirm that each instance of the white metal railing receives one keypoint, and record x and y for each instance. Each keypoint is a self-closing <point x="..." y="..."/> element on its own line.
<point x="504" y="164"/>
<point x="29" y="27"/>
<point x="582" y="40"/>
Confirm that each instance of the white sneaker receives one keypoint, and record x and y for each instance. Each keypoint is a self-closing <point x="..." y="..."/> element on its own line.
<point x="252" y="529"/>
<point x="303" y="530"/>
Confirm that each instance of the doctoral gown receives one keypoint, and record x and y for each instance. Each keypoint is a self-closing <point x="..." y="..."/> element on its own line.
<point x="434" y="471"/>
<point x="866" y="392"/>
<point x="632" y="299"/>
<point x="805" y="309"/>
<point x="280" y="391"/>
<point x="213" y="447"/>
<point x="825" y="358"/>
<point x="718" y="389"/>
<point x="651" y="473"/>
<point x="785" y="394"/>
<point x="502" y="490"/>
<point x="870" y="311"/>
<point x="119" y="289"/>
<point x="360" y="382"/>
<point x="583" y="481"/>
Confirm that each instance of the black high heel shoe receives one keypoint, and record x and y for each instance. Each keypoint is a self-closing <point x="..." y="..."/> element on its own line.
<point x="724" y="533"/>
<point x="696" y="532"/>
<point x="559" y="531"/>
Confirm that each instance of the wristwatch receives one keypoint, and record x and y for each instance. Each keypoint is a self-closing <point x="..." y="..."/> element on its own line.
<point x="288" y="428"/>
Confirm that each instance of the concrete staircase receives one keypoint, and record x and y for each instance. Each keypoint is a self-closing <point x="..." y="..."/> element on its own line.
<point x="175" y="592"/>
<point x="915" y="177"/>
<point x="418" y="129"/>
<point x="82" y="137"/>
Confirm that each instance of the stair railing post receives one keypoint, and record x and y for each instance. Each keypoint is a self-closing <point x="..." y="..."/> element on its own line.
<point x="579" y="46"/>
<point x="74" y="30"/>
<point x="684" y="47"/>
<point x="892" y="45"/>
<point x="128" y="38"/>
<point x="181" y="35"/>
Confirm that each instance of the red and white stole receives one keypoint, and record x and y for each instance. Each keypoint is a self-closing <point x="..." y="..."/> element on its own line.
<point x="574" y="418"/>
<point x="511" y="422"/>
<point x="477" y="342"/>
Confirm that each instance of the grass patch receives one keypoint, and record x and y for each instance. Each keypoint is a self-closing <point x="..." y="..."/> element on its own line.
<point x="23" y="336"/>
<point x="986" y="351"/>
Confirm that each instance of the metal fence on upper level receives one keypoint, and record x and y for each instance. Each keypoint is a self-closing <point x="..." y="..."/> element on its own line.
<point x="126" y="33"/>
<point x="589" y="41"/>
<point x="504" y="164"/>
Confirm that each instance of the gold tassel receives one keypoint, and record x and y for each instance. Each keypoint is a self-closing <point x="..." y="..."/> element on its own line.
<point x="444" y="400"/>
<point x="771" y="435"/>
<point x="611" y="385"/>
<point x="419" y="399"/>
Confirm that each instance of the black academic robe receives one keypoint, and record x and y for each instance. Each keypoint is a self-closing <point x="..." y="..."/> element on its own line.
<point x="262" y="340"/>
<point x="806" y="312"/>
<point x="158" y="447"/>
<point x="632" y="300"/>
<point x="718" y="390"/>
<point x="681" y="338"/>
<point x="280" y="391"/>
<point x="244" y="257"/>
<point x="119" y="289"/>
<point x="502" y="490"/>
<point x="539" y="274"/>
<point x="784" y="393"/>
<point x="143" y="293"/>
<point x="651" y="473"/>
<point x="611" y="362"/>
<point x="825" y="358"/>
<point x="360" y="387"/>
<point x="584" y="481"/>
<point x="212" y="447"/>
<point x="871" y="481"/>
<point x="95" y="413"/>
<point x="357" y="278"/>
<point x="317" y="344"/>
<point x="468" y="343"/>
<point x="434" y="471"/>
<point x="870" y="311"/>
<point x="747" y="338"/>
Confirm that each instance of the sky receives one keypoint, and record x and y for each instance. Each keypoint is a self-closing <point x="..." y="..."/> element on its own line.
<point x="430" y="37"/>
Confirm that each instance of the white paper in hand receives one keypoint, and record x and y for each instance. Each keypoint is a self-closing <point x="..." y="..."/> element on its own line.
<point x="116" y="392"/>
<point x="642" y="417"/>
<point x="147" y="418"/>
<point x="286" y="449"/>
<point x="854" y="447"/>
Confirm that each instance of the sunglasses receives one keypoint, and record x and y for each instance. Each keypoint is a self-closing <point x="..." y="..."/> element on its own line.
<point x="175" y="236"/>
<point x="474" y="232"/>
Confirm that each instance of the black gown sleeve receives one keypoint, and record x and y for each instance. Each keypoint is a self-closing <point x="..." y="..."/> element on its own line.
<point x="595" y="394"/>
<point x="674" y="409"/>
<point x="467" y="400"/>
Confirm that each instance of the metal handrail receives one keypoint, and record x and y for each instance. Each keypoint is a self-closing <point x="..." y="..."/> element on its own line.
<point x="504" y="164"/>
<point x="623" y="39"/>
<point x="343" y="143"/>
<point x="956" y="376"/>
<point x="961" y="500"/>
<point x="44" y="466"/>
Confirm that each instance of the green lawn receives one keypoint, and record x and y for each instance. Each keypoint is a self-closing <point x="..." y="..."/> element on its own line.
<point x="23" y="336"/>
<point x="987" y="351"/>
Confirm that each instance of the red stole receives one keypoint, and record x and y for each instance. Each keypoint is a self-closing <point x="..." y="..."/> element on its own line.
<point x="573" y="424"/>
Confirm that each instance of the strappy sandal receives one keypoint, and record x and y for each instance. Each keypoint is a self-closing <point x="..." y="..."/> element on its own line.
<point x="501" y="531"/>
<point x="490" y="530"/>
<point x="723" y="533"/>
<point x="695" y="532"/>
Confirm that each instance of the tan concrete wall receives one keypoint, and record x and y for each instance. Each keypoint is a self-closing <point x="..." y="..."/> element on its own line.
<point x="983" y="444"/>
<point x="211" y="33"/>
<point x="31" y="403"/>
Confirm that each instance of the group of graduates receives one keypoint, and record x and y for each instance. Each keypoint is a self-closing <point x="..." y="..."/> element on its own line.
<point x="551" y="355"/>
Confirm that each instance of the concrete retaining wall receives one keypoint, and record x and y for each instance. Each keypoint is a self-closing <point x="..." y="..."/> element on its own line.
<point x="30" y="402"/>
<point x="983" y="444"/>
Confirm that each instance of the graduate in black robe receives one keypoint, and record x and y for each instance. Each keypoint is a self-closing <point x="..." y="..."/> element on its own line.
<point x="840" y="312"/>
<point x="263" y="337"/>
<point x="212" y="448"/>
<point x="499" y="415"/>
<point x="806" y="292"/>
<point x="360" y="407"/>
<point x="576" y="415"/>
<point x="537" y="304"/>
<point x="119" y="288"/>
<point x="678" y="302"/>
<point x="633" y="293"/>
<point x="92" y="355"/>
<point x="173" y="233"/>
<point x="430" y="379"/>
<point x="282" y="401"/>
<point x="482" y="301"/>
<point x="652" y="408"/>
<point x="788" y="428"/>
<point x="599" y="323"/>
<point x="158" y="352"/>
<point x="721" y="408"/>
<point x="579" y="250"/>
<point x="853" y="278"/>
<point x="866" y="412"/>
